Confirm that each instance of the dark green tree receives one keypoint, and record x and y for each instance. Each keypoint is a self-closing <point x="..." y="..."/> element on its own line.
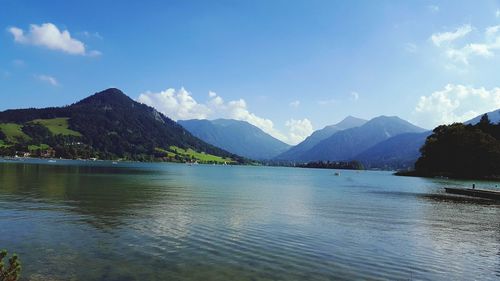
<point x="460" y="150"/>
<point x="38" y="133"/>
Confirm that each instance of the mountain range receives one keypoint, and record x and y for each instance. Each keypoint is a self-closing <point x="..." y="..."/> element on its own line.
<point x="110" y="125"/>
<point x="346" y="144"/>
<point x="383" y="142"/>
<point x="238" y="137"/>
<point x="106" y="125"/>
<point x="295" y="153"/>
<point x="398" y="152"/>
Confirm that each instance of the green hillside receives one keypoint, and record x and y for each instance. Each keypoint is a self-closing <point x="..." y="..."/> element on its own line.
<point x="57" y="126"/>
<point x="178" y="154"/>
<point x="200" y="156"/>
<point x="106" y="125"/>
<point x="13" y="132"/>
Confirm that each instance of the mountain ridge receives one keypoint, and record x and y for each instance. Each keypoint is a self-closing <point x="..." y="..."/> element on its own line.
<point x="112" y="125"/>
<point x="398" y="152"/>
<point x="236" y="136"/>
<point x="494" y="117"/>
<point x="319" y="135"/>
<point x="346" y="144"/>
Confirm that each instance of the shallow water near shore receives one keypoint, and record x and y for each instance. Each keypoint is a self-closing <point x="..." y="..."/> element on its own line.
<point x="77" y="220"/>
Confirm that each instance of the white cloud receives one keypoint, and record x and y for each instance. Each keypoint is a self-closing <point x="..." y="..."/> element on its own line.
<point x="92" y="35"/>
<point x="94" y="53"/>
<point x="294" y="104"/>
<point x="175" y="104"/>
<point x="354" y="96"/>
<point x="462" y="55"/>
<point x="49" y="36"/>
<point x="450" y="36"/>
<point x="497" y="13"/>
<point x="180" y="105"/>
<point x="485" y="48"/>
<point x="455" y="103"/>
<point x="433" y="8"/>
<point x="47" y="79"/>
<point x="491" y="31"/>
<point x="237" y="109"/>
<point x="298" y="130"/>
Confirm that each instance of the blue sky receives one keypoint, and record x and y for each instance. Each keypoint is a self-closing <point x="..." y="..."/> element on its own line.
<point x="287" y="67"/>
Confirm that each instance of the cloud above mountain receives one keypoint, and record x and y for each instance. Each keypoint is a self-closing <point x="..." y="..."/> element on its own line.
<point x="181" y="105"/>
<point x="455" y="103"/>
<point x="298" y="130"/>
<point x="49" y="36"/>
<point x="485" y="47"/>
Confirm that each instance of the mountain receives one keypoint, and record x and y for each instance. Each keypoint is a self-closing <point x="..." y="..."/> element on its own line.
<point x="346" y="144"/>
<point x="238" y="137"/>
<point x="107" y="125"/>
<point x="494" y="117"/>
<point x="398" y="152"/>
<point x="319" y="135"/>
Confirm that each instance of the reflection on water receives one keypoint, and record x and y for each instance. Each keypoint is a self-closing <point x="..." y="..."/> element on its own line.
<point x="132" y="221"/>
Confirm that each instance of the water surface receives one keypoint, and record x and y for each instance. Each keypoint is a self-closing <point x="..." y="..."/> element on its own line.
<point x="75" y="220"/>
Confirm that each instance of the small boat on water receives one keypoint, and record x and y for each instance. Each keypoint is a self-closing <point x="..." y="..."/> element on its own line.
<point x="337" y="173"/>
<point x="52" y="161"/>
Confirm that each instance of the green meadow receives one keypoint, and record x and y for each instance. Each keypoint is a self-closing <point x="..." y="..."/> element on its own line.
<point x="200" y="156"/>
<point x="57" y="126"/>
<point x="38" y="147"/>
<point x="13" y="132"/>
<point x="193" y="155"/>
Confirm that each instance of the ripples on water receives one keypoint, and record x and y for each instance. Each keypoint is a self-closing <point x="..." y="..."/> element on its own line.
<point x="132" y="221"/>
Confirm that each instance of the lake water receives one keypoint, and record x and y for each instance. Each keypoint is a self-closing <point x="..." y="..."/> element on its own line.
<point x="74" y="220"/>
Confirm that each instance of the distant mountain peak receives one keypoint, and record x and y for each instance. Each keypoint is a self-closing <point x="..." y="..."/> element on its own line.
<point x="384" y="119"/>
<point x="346" y="143"/>
<point x="349" y="122"/>
<point x="111" y="96"/>
<point x="319" y="135"/>
<point x="229" y="122"/>
<point x="494" y="117"/>
<point x="111" y="91"/>
<point x="112" y="125"/>
<point x="236" y="136"/>
<point x="350" y="117"/>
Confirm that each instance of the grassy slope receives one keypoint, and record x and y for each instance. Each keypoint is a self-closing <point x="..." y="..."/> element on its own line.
<point x="57" y="126"/>
<point x="38" y="147"/>
<point x="199" y="156"/>
<point x="13" y="131"/>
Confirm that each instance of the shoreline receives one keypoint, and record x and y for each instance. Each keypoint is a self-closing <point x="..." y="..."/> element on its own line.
<point x="442" y="176"/>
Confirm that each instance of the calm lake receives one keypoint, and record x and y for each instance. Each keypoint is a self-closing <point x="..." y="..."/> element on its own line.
<point x="75" y="220"/>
